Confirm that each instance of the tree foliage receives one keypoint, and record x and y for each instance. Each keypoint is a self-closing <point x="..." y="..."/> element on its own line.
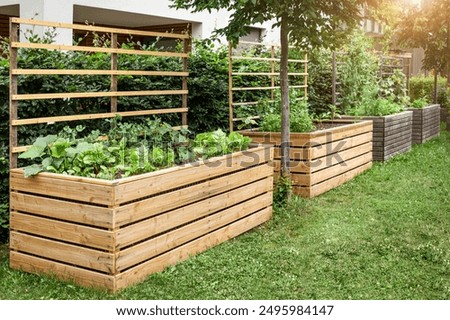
<point x="305" y="24"/>
<point x="428" y="28"/>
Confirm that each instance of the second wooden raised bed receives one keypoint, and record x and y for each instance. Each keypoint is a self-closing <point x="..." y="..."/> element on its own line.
<point x="425" y="123"/>
<point x="112" y="234"/>
<point x="392" y="134"/>
<point x="323" y="159"/>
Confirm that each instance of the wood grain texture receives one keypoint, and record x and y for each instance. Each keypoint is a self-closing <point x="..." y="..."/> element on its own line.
<point x="99" y="243"/>
<point x="425" y="123"/>
<point x="321" y="156"/>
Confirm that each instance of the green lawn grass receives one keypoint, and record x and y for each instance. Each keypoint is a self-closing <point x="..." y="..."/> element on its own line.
<point x="384" y="235"/>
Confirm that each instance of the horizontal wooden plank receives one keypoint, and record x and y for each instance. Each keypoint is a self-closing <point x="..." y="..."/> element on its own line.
<point x="170" y="240"/>
<point x="174" y="218"/>
<point x="298" y="153"/>
<point x="266" y="88"/>
<point x="331" y="171"/>
<point x="183" y="252"/>
<point x="394" y="153"/>
<point x="71" y="95"/>
<point x="379" y="120"/>
<point x="267" y="73"/>
<point x="309" y="192"/>
<point x="92" y="116"/>
<point x="393" y="129"/>
<point x="305" y="167"/>
<point x="341" y="145"/>
<point x="65" y="253"/>
<point x="397" y="148"/>
<point x="315" y="138"/>
<point x="47" y="46"/>
<point x="341" y="157"/>
<point x="266" y="59"/>
<point x="405" y="134"/>
<point x="63" y="210"/>
<point x="399" y="117"/>
<point x="275" y="45"/>
<point x="248" y="103"/>
<point x="340" y="168"/>
<point x="63" y="271"/>
<point x="143" y="209"/>
<point x="98" y="72"/>
<point x="132" y="188"/>
<point x="64" y="231"/>
<point x="93" y="28"/>
<point x="298" y="167"/>
<point x="54" y="186"/>
<point x="406" y="139"/>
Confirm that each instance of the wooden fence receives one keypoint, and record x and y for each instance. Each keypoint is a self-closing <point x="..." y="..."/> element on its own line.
<point x="115" y="71"/>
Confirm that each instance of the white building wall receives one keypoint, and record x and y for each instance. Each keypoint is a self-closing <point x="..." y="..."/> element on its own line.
<point x="203" y="23"/>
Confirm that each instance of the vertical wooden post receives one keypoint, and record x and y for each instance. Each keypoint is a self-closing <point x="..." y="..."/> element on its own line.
<point x="184" y="97"/>
<point x="230" y="85"/>
<point x="306" y="76"/>
<point x="272" y="91"/>
<point x="13" y="104"/>
<point x="407" y="62"/>
<point x="333" y="78"/>
<point x="435" y="86"/>
<point x="114" y="67"/>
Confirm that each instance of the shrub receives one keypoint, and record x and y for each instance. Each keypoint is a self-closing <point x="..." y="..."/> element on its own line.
<point x="320" y="81"/>
<point x="208" y="87"/>
<point x="422" y="87"/>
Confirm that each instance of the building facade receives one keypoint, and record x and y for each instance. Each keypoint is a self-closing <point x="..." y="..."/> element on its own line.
<point x="155" y="15"/>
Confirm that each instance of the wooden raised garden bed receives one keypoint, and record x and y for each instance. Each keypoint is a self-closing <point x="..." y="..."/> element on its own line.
<point x="324" y="159"/>
<point x="392" y="134"/>
<point x="425" y="123"/>
<point x="112" y="234"/>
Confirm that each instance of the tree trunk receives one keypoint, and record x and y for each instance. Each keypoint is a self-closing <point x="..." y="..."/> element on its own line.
<point x="435" y="86"/>
<point x="448" y="53"/>
<point x="284" y="87"/>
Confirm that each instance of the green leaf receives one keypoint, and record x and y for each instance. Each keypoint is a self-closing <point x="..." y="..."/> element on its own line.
<point x="33" y="152"/>
<point x="32" y="170"/>
<point x="45" y="141"/>
<point x="47" y="162"/>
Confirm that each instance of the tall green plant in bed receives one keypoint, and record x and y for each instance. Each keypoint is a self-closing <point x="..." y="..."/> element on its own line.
<point x="300" y="119"/>
<point x="358" y="73"/>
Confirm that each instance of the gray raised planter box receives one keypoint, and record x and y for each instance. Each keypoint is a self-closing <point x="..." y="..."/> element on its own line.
<point x="392" y="134"/>
<point x="426" y="123"/>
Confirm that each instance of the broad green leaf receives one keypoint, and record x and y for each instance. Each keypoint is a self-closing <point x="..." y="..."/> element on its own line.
<point x="45" y="141"/>
<point x="33" y="152"/>
<point x="32" y="170"/>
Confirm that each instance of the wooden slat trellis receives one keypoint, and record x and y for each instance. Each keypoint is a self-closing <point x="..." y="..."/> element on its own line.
<point x="272" y="62"/>
<point x="388" y="63"/>
<point x="114" y="72"/>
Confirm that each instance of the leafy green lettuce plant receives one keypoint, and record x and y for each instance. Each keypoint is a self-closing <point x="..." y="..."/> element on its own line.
<point x="127" y="149"/>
